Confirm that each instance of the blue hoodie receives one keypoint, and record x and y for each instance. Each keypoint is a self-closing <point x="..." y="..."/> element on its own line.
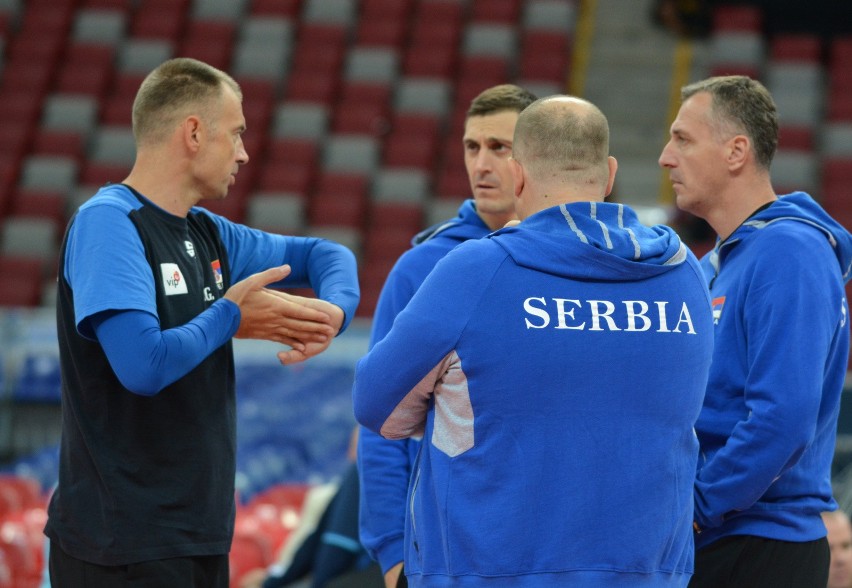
<point x="555" y="371"/>
<point x="768" y="426"/>
<point x="384" y="465"/>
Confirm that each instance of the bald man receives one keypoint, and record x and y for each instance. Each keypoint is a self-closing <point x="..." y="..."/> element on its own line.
<point x="555" y="370"/>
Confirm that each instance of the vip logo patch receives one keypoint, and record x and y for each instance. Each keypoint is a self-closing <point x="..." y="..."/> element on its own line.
<point x="190" y="248"/>
<point x="173" y="282"/>
<point x="718" y="304"/>
<point x="217" y="273"/>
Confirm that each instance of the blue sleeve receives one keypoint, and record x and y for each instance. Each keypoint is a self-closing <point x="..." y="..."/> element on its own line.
<point x="423" y="334"/>
<point x="788" y="302"/>
<point x="384" y="465"/>
<point x="158" y="358"/>
<point x="107" y="270"/>
<point x="327" y="267"/>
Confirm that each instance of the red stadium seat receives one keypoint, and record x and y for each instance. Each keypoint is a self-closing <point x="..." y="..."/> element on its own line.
<point x="307" y="85"/>
<point x="285" y="8"/>
<point x="382" y="31"/>
<point x="425" y="59"/>
<point x="737" y="18"/>
<point x="496" y="11"/>
<point x="796" y="47"/>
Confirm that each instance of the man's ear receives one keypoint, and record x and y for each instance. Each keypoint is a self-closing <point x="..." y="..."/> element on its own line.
<point x="613" y="167"/>
<point x="739" y="148"/>
<point x="192" y="133"/>
<point x="518" y="178"/>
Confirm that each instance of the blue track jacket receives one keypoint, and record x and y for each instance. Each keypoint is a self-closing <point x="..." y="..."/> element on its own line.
<point x="555" y="371"/>
<point x="385" y="465"/>
<point x="769" y="422"/>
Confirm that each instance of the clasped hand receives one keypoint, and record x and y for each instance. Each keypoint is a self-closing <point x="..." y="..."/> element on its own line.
<point x="306" y="325"/>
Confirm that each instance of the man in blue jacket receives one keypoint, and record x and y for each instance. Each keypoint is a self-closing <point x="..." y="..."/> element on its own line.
<point x="554" y="370"/>
<point x="384" y="465"/>
<point x="776" y="275"/>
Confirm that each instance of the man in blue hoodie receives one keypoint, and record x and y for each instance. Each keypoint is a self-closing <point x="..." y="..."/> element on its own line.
<point x="385" y="465"/>
<point x="554" y="370"/>
<point x="768" y="425"/>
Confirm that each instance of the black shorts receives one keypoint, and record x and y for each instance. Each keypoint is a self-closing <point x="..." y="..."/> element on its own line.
<point x="746" y="561"/>
<point x="190" y="572"/>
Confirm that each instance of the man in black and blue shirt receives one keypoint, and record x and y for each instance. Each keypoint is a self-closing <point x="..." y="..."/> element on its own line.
<point x="151" y="290"/>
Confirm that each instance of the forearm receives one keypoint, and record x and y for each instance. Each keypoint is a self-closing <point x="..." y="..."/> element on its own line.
<point x="146" y="359"/>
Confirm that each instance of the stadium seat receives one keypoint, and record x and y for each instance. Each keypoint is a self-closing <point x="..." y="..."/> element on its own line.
<point x="339" y="200"/>
<point x="70" y="112"/>
<point x="285" y="8"/>
<point x="161" y="19"/>
<point x="483" y="71"/>
<point x="544" y="56"/>
<point x="551" y="15"/>
<point x="422" y="96"/>
<point x="357" y="154"/>
<point x="382" y="30"/>
<point x="796" y="47"/>
<point x="286" y="176"/>
<point x="140" y="56"/>
<point x="400" y="9"/>
<point x="371" y="64"/>
<point x="505" y="12"/>
<point x="335" y="12"/>
<point x="101" y="26"/>
<point x="64" y="143"/>
<point x="384" y="245"/>
<point x="798" y="89"/>
<point x="113" y="145"/>
<point x="209" y="40"/>
<point x="218" y="10"/>
<point x="29" y="237"/>
<point x="117" y="110"/>
<point x="308" y="85"/>
<point x="407" y="216"/>
<point x="20" y="285"/>
<point x="49" y="172"/>
<point x="400" y="185"/>
<point x="277" y="212"/>
<point x="303" y="152"/>
<point x="737" y="17"/>
<point x="795" y="138"/>
<point x="300" y="120"/>
<point x="836" y="139"/>
<point x="51" y="205"/>
<point x="489" y="39"/>
<point x="263" y="49"/>
<point x="737" y="48"/>
<point x="796" y="170"/>
<point x="428" y="60"/>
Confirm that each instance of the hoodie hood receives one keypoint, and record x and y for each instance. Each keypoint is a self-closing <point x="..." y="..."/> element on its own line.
<point x="592" y="240"/>
<point x="797" y="206"/>
<point x="466" y="225"/>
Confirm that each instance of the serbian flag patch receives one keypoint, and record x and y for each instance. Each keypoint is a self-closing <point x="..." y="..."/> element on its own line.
<point x="718" y="304"/>
<point x="217" y="273"/>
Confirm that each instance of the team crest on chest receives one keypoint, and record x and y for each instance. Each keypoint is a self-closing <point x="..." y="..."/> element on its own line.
<point x="173" y="282"/>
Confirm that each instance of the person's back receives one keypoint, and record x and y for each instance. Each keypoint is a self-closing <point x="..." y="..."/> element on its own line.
<point x="566" y="359"/>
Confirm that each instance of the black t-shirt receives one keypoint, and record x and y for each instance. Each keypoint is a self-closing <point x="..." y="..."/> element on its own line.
<point x="141" y="477"/>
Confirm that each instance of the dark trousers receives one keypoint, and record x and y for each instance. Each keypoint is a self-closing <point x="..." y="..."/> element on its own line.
<point x="755" y="562"/>
<point x="186" y="572"/>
